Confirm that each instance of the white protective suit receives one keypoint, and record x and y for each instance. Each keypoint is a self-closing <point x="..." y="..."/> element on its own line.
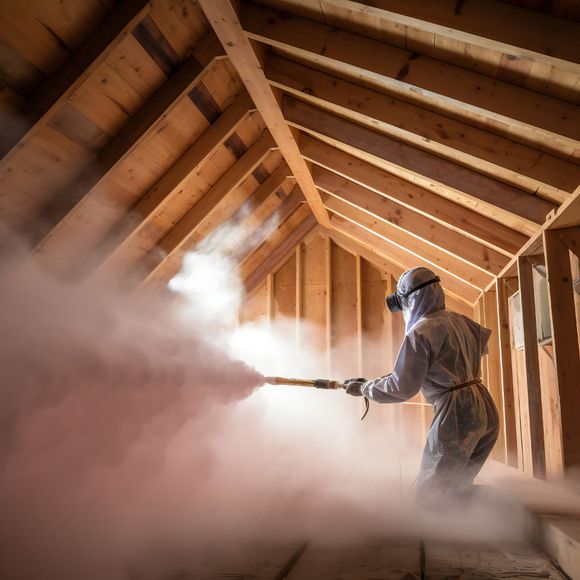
<point x="441" y="350"/>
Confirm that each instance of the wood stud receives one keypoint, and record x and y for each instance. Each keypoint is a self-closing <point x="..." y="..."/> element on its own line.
<point x="503" y="292"/>
<point x="532" y="369"/>
<point x="565" y="340"/>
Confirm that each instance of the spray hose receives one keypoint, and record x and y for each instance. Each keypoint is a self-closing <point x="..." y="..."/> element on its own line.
<point x="315" y="384"/>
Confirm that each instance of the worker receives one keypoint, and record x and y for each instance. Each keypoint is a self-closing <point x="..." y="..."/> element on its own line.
<point x="441" y="354"/>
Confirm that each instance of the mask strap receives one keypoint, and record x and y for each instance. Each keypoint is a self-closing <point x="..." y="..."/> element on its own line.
<point x="433" y="281"/>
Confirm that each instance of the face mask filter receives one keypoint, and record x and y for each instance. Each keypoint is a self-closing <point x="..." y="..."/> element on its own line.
<point x="394" y="303"/>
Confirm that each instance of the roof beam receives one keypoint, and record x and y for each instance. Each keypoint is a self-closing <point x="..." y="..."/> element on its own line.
<point x="224" y="20"/>
<point x="445" y="212"/>
<point x="527" y="116"/>
<point x="508" y="31"/>
<point x="59" y="87"/>
<point x="202" y="211"/>
<point x="120" y="147"/>
<point x="500" y="201"/>
<point x="402" y="258"/>
<point x="163" y="191"/>
<point x="520" y="165"/>
<point x="425" y="229"/>
<point x="410" y="244"/>
<point x="280" y="253"/>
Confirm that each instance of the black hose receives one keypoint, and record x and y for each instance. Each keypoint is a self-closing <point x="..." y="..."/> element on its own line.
<point x="367" y="407"/>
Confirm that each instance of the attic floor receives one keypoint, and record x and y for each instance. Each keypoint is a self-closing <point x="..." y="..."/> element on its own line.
<point x="389" y="558"/>
<point x="381" y="559"/>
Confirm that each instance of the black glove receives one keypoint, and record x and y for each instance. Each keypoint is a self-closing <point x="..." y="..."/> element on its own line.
<point x="353" y="386"/>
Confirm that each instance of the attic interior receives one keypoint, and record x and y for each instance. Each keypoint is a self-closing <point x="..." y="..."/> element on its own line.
<point x="196" y="192"/>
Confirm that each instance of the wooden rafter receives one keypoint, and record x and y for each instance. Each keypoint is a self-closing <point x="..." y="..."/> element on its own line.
<point x="452" y="215"/>
<point x="163" y="191"/>
<point x="534" y="40"/>
<point x="416" y="224"/>
<point x="120" y="147"/>
<point x="408" y="243"/>
<point x="568" y="215"/>
<point x="520" y="165"/>
<point x="230" y="211"/>
<point x="235" y="213"/>
<point x="527" y="116"/>
<point x="202" y="211"/>
<point x="56" y="91"/>
<point x="402" y="258"/>
<point x="224" y="19"/>
<point x="502" y="202"/>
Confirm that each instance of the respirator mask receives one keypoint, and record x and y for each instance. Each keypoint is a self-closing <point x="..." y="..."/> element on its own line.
<point x="394" y="300"/>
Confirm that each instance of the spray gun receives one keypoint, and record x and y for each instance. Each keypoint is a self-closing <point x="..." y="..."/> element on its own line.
<point x="314" y="384"/>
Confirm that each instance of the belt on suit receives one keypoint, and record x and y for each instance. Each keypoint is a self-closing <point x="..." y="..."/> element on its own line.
<point x="463" y="385"/>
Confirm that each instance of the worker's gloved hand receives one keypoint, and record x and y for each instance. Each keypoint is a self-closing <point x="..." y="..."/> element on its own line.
<point x="353" y="386"/>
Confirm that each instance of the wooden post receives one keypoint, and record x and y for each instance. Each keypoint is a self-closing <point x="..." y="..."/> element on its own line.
<point x="270" y="298"/>
<point x="391" y="287"/>
<point x="532" y="366"/>
<point x="328" y="300"/>
<point x="575" y="256"/>
<point x="359" y="315"/>
<point x="480" y="318"/>
<point x="571" y="237"/>
<point x="504" y="289"/>
<point x="494" y="368"/>
<point x="298" y="291"/>
<point x="565" y="342"/>
<point x="575" y="276"/>
<point x="395" y="335"/>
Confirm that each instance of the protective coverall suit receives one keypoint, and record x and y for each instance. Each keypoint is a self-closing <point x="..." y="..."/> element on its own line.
<point x="441" y="350"/>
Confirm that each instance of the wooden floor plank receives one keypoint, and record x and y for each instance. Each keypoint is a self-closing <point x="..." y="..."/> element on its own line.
<point x="384" y="558"/>
<point x="445" y="560"/>
<point x="246" y="561"/>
